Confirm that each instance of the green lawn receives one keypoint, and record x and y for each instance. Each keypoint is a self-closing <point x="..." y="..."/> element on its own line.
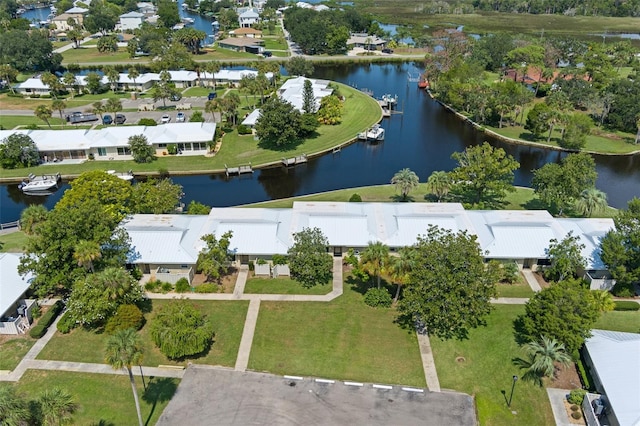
<point x="203" y="91"/>
<point x="84" y="55"/>
<point x="481" y="366"/>
<point x="103" y="399"/>
<point x="275" y="44"/>
<point x="228" y="319"/>
<point x="13" y="242"/>
<point x="12" y="350"/>
<point x="628" y="321"/>
<point x="12" y="121"/>
<point x="519" y="289"/>
<point x="283" y="285"/>
<point x="342" y="339"/>
<point x="280" y="54"/>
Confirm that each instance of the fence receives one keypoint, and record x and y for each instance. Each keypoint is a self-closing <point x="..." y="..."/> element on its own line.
<point x="10" y="225"/>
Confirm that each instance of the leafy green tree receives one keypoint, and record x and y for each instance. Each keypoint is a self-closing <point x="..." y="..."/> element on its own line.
<point x="44" y="113"/>
<point x="85" y="253"/>
<point x="163" y="89"/>
<point x="374" y="259"/>
<point x="230" y="104"/>
<point x="114" y="105"/>
<point x="212" y="106"/>
<point x="31" y="217"/>
<point x="196" y="117"/>
<point x="180" y="330"/>
<point x="113" y="76"/>
<point x="309" y="261"/>
<point x="330" y="111"/>
<point x="578" y="128"/>
<point x="449" y="288"/>
<point x="591" y="201"/>
<point x="565" y="257"/>
<point x="405" y="180"/>
<point x="399" y="268"/>
<point x="56" y="407"/>
<point x="18" y="150"/>
<point x="564" y="311"/>
<point x="28" y="50"/>
<point x="14" y="410"/>
<point x="102" y="17"/>
<point x="308" y="98"/>
<point x="141" y="149"/>
<point x="8" y="74"/>
<point x="155" y="196"/>
<point x="191" y="38"/>
<point x="439" y="184"/>
<point x="539" y="120"/>
<point x="619" y="248"/>
<point x="94" y="83"/>
<point x="168" y="13"/>
<point x="107" y="44"/>
<point x="483" y="176"/>
<point x="543" y="354"/>
<point x="278" y="124"/>
<point x="195" y="207"/>
<point x="214" y="258"/>
<point x="124" y="350"/>
<point x="298" y="65"/>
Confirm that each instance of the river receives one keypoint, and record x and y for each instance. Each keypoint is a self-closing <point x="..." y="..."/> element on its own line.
<point x="422" y="138"/>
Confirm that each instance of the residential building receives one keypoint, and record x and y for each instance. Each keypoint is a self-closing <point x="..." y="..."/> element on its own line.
<point x="15" y="309"/>
<point x="246" y="32"/>
<point x="130" y="21"/>
<point x="248" y="17"/>
<point x="242" y="44"/>
<point x="366" y="41"/>
<point x="292" y="91"/>
<point x="61" y="21"/>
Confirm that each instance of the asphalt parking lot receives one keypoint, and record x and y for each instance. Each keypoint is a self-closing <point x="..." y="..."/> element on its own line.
<point x="208" y="396"/>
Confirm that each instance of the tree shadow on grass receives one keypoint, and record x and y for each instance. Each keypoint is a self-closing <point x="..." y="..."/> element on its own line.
<point x="358" y="285"/>
<point x="535" y="204"/>
<point x="158" y="390"/>
<point x="398" y="198"/>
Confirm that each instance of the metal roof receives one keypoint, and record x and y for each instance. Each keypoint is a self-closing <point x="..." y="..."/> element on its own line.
<point x="616" y="359"/>
<point x="12" y="285"/>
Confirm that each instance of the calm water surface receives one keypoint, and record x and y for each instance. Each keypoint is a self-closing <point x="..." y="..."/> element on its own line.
<point x="422" y="138"/>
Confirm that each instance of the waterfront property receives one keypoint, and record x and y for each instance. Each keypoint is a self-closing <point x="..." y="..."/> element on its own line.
<point x="366" y="41"/>
<point x="15" y="309"/>
<point x="112" y="143"/>
<point x="506" y="235"/>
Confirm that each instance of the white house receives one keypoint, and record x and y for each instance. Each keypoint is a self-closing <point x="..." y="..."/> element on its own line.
<point x="366" y="41"/>
<point x="32" y="86"/>
<point x="614" y="361"/>
<point x="248" y="18"/>
<point x="15" y="310"/>
<point x="292" y="91"/>
<point x="131" y="21"/>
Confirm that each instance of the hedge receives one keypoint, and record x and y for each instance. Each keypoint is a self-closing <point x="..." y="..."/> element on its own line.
<point x="51" y="314"/>
<point x="626" y="305"/>
<point x="38" y="331"/>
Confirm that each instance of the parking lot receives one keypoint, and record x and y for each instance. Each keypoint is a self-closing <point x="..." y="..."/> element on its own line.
<point x="224" y="397"/>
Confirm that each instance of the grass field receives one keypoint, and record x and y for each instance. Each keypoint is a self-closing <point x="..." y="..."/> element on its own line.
<point x="103" y="399"/>
<point x="86" y="55"/>
<point x="13" y="121"/>
<point x="519" y="289"/>
<point x="258" y="285"/>
<point x="342" y="339"/>
<point x="13" y="242"/>
<point x="628" y="321"/>
<point x="12" y="350"/>
<point x="275" y="44"/>
<point x="481" y="366"/>
<point x="87" y="346"/>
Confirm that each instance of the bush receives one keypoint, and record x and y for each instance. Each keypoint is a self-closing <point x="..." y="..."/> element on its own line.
<point x="207" y="288"/>
<point x="136" y="273"/>
<point x="280" y="259"/>
<point x="182" y="286"/>
<point x="66" y="324"/>
<point x="355" y="198"/>
<point x="36" y="311"/>
<point x="576" y="396"/>
<point x="244" y="130"/>
<point x="51" y="314"/>
<point x="147" y="122"/>
<point x="127" y="316"/>
<point x="172" y="149"/>
<point x="166" y="287"/>
<point x="626" y="305"/>
<point x="377" y="297"/>
<point x="623" y="290"/>
<point x="91" y="156"/>
<point x="574" y="407"/>
<point x="584" y="376"/>
<point x="38" y="331"/>
<point x="151" y="286"/>
<point x="576" y="415"/>
<point x="510" y="272"/>
<point x="261" y="262"/>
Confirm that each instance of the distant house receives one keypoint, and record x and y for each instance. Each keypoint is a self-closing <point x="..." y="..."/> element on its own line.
<point x="246" y="32"/>
<point x="131" y="21"/>
<point x="366" y="41"/>
<point x="15" y="310"/>
<point x="61" y="21"/>
<point x="77" y="10"/>
<point x="32" y="86"/>
<point x="248" y="18"/>
<point x="292" y="89"/>
<point x="242" y="44"/>
<point x="613" y="359"/>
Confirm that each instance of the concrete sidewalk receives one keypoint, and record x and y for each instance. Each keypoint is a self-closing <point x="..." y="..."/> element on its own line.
<point x="428" y="363"/>
<point x="531" y="280"/>
<point x="247" y="335"/>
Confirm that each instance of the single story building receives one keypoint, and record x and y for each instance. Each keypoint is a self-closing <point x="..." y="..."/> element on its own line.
<point x="130" y="21"/>
<point x="32" y="86"/>
<point x="292" y="91"/>
<point x="112" y="143"/>
<point x="15" y="309"/>
<point x="613" y="359"/>
<point x="366" y="41"/>
<point x="246" y="32"/>
<point x="242" y="44"/>
<point x="518" y="236"/>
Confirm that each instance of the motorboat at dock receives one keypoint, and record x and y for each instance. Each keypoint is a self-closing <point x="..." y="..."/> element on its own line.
<point x="128" y="176"/>
<point x="37" y="184"/>
<point x="375" y="133"/>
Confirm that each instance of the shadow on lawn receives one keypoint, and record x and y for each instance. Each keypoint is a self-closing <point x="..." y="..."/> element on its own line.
<point x="158" y="390"/>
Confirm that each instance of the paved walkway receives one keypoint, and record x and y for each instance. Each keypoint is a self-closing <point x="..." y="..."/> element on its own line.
<point x="247" y="335"/>
<point x="428" y="363"/>
<point x="556" y="398"/>
<point x="509" y="300"/>
<point x="531" y="280"/>
<point x="241" y="281"/>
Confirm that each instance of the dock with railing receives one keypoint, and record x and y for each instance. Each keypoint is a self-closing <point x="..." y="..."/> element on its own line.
<point x="294" y="161"/>
<point x="241" y="169"/>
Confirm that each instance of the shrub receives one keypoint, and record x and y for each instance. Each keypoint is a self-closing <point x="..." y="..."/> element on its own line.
<point x="166" y="287"/>
<point x="163" y="172"/>
<point x="623" y="290"/>
<point x="38" y="331"/>
<point x="172" y="149"/>
<point x="182" y="286"/>
<point x="36" y="311"/>
<point x="136" y="273"/>
<point x="252" y="267"/>
<point x="576" y="396"/>
<point x="351" y="258"/>
<point x="576" y="415"/>
<point x="207" y="288"/>
<point x="584" y="376"/>
<point x="280" y="259"/>
<point x="377" y="297"/>
<point x="147" y="122"/>
<point x="151" y="286"/>
<point x="244" y="130"/>
<point x="510" y="272"/>
<point x="127" y="316"/>
<point x="261" y="262"/>
<point x="355" y="198"/>
<point x="66" y="324"/>
<point x="51" y="314"/>
<point x="626" y="305"/>
<point x="574" y="407"/>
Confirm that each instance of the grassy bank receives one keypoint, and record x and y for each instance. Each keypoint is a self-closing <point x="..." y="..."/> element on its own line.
<point x="13" y="242"/>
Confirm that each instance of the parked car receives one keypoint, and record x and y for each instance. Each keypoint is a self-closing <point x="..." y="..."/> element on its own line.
<point x="267" y="54"/>
<point x="212" y="95"/>
<point x="120" y="118"/>
<point x="180" y="117"/>
<point x="387" y="50"/>
<point x="107" y="119"/>
<point x="165" y="119"/>
<point x="176" y="97"/>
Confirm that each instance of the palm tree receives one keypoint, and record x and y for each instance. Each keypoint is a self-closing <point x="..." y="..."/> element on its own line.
<point x="375" y="259"/>
<point x="56" y="406"/>
<point x="114" y="105"/>
<point x="117" y="282"/>
<point x="231" y="103"/>
<point x="113" y="76"/>
<point x="123" y="351"/>
<point x="212" y="107"/>
<point x="98" y="108"/>
<point x="591" y="201"/>
<point x="439" y="184"/>
<point x="59" y="105"/>
<point x="543" y="355"/>
<point x="31" y="217"/>
<point x="85" y="252"/>
<point x="603" y="300"/>
<point x="399" y="268"/>
<point x="405" y="180"/>
<point x="44" y="113"/>
<point x="212" y="68"/>
<point x="70" y="81"/>
<point x="14" y="410"/>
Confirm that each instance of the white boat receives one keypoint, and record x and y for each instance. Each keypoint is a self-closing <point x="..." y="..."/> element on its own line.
<point x="188" y="21"/>
<point x="128" y="176"/>
<point x="38" y="185"/>
<point x="376" y="133"/>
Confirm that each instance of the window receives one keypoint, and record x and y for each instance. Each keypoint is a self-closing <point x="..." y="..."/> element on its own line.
<point x="199" y="146"/>
<point x="102" y="152"/>
<point x="162" y="145"/>
<point x="124" y="150"/>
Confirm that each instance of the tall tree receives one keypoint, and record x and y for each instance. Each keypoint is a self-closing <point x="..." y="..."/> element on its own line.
<point x="399" y="268"/>
<point x="8" y="74"/>
<point x="308" y="98"/>
<point x="279" y="123"/>
<point x="44" y="113"/>
<point x="214" y="258"/>
<point x="56" y="406"/>
<point x="124" y="350"/>
<point x="31" y="217"/>
<point x="565" y="257"/>
<point x="591" y="201"/>
<point x="114" y="105"/>
<point x="405" y="180"/>
<point x="439" y="184"/>
<point x="141" y="149"/>
<point x="156" y="196"/>
<point x="59" y="105"/>
<point x="18" y="150"/>
<point x="374" y="259"/>
<point x="449" y="288"/>
<point x="308" y="258"/>
<point x="85" y="253"/>
<point x="212" y="67"/>
<point x="483" y="176"/>
<point x="133" y="74"/>
<point x="298" y="65"/>
<point x="112" y="76"/>
<point x="212" y="106"/>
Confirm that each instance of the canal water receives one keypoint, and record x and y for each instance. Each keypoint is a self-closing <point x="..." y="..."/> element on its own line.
<point x="422" y="138"/>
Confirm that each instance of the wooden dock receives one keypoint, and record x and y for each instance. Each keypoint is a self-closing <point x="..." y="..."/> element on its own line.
<point x="241" y="169"/>
<point x="300" y="159"/>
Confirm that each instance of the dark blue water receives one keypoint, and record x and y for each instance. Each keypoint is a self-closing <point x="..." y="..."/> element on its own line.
<point x="36" y="15"/>
<point x="422" y="138"/>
